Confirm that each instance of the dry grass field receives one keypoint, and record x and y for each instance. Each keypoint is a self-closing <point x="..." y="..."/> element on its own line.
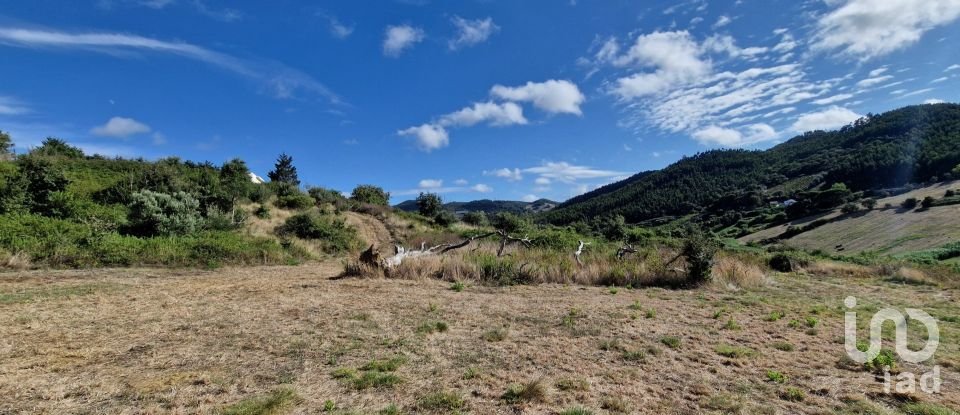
<point x="294" y="340"/>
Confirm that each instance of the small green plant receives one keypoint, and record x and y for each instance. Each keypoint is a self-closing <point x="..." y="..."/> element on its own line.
<point x="264" y="404"/>
<point x="615" y="404"/>
<point x="577" y="410"/>
<point x="926" y="408"/>
<point x="636" y="306"/>
<point x="432" y="327"/>
<point x="719" y="313"/>
<point x="579" y="384"/>
<point x="449" y="402"/>
<point x="470" y="373"/>
<point x="811" y="322"/>
<point x="885" y="358"/>
<point x="671" y="342"/>
<point x="391" y="409"/>
<point x="651" y="313"/>
<point x="614" y="290"/>
<point x="731" y="325"/>
<point x="533" y="391"/>
<point x="783" y="346"/>
<point x="457" y="286"/>
<point x="262" y="212"/>
<point x="496" y="335"/>
<point x="776" y="376"/>
<point x="793" y="395"/>
<point x="734" y="352"/>
<point x="634" y="355"/>
<point x="794" y="323"/>
<point x="329" y="406"/>
<point x="775" y="316"/>
<point x="570" y="319"/>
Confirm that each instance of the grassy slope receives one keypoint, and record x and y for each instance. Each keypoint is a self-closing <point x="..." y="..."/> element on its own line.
<point x="889" y="231"/>
<point x="162" y="341"/>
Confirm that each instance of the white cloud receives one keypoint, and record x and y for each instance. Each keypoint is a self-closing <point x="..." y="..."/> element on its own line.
<point x="940" y="79"/>
<point x="952" y="67"/>
<point x="866" y="83"/>
<point x="338" y="29"/>
<point x="787" y="43"/>
<point x="460" y="182"/>
<point x="530" y="198"/>
<point x="398" y="38"/>
<point x="722" y="21"/>
<point x="280" y="80"/>
<point x="828" y="119"/>
<point x="917" y="92"/>
<point x="674" y="56"/>
<point x="833" y="99"/>
<point x="878" y="71"/>
<point x="568" y="173"/>
<point x="934" y="101"/>
<point x="729" y="137"/>
<point x="552" y="96"/>
<point x="429" y="137"/>
<point x="471" y="32"/>
<point x="481" y="188"/>
<point x="11" y="106"/>
<point x="495" y="114"/>
<point x="542" y="181"/>
<point x="510" y="175"/>
<point x="431" y="184"/>
<point x="121" y="127"/>
<point x="866" y="29"/>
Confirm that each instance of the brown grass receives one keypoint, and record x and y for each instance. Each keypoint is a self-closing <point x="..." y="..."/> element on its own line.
<point x="17" y="261"/>
<point x="167" y="341"/>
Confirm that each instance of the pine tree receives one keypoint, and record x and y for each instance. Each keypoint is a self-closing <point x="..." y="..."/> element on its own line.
<point x="284" y="171"/>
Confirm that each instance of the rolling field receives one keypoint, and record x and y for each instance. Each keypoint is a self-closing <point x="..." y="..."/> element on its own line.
<point x="293" y="340"/>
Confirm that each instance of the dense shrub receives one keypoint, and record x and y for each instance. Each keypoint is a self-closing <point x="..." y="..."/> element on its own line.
<point x="262" y="212"/>
<point x="323" y="196"/>
<point x="509" y="222"/>
<point x="294" y="201"/>
<point x="910" y="203"/>
<point x="55" y="147"/>
<point x="153" y="213"/>
<point x="41" y="181"/>
<point x="6" y="146"/>
<point x="370" y="194"/>
<point x="445" y="218"/>
<point x="333" y="233"/>
<point x="477" y="218"/>
<point x="928" y="202"/>
<point x="699" y="250"/>
<point x="429" y="204"/>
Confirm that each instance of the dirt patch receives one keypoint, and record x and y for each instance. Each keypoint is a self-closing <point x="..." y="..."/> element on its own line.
<point x="370" y="229"/>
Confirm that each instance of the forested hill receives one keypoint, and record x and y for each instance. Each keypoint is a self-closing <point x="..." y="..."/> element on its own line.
<point x="909" y="145"/>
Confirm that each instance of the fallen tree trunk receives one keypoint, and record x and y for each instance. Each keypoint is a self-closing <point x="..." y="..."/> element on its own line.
<point x="402" y="254"/>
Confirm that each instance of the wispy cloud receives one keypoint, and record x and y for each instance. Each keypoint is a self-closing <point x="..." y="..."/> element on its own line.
<point x="436" y="186"/>
<point x="277" y="79"/>
<point x="337" y="28"/>
<point x="471" y="32"/>
<point x="12" y="106"/>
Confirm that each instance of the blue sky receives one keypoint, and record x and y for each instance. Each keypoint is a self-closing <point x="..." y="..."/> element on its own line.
<point x="472" y="99"/>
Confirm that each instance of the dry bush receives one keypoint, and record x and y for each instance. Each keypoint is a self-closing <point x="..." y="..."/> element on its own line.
<point x="737" y="271"/>
<point x="17" y="261"/>
<point x="912" y="276"/>
<point x="841" y="269"/>
<point x="357" y="269"/>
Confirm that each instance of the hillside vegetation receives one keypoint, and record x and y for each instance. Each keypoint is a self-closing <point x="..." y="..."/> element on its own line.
<point x="916" y="144"/>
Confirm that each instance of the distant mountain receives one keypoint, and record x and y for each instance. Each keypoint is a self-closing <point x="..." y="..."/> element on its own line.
<point x="913" y="144"/>
<point x="489" y="206"/>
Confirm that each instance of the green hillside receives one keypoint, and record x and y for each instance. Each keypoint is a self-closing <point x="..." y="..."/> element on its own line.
<point x="915" y="144"/>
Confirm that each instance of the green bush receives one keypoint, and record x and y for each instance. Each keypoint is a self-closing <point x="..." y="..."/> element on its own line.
<point x="153" y="213"/>
<point x="373" y="195"/>
<point x="910" y="203"/>
<point x="294" y="201"/>
<point x="262" y="212"/>
<point x="478" y="218"/>
<point x="324" y="196"/>
<point x="444" y="218"/>
<point x="699" y="250"/>
<point x="333" y="233"/>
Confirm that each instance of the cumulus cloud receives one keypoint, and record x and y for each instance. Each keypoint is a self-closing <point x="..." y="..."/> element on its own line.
<point x="429" y="136"/>
<point x="934" y="101"/>
<point x="280" y="80"/>
<point x="471" y="32"/>
<point x="554" y="96"/>
<point x="121" y="127"/>
<point x="674" y="56"/>
<point x="436" y="186"/>
<point x="551" y="96"/>
<point x="495" y="114"/>
<point x="866" y="29"/>
<point x="399" y="38"/>
<point x="828" y="119"/>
